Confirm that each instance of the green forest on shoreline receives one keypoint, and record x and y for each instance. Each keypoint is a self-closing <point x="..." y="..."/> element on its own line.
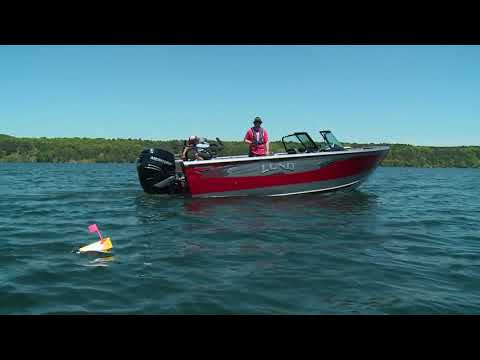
<point x="88" y="150"/>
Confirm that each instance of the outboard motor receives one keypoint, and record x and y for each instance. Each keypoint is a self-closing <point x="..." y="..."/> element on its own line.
<point x="156" y="171"/>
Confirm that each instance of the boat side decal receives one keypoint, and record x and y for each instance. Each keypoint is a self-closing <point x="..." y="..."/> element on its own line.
<point x="317" y="186"/>
<point x="249" y="176"/>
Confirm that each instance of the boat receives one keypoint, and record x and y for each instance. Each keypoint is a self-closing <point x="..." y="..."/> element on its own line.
<point x="304" y="167"/>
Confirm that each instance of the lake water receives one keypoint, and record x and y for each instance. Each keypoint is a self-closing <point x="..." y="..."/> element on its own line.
<point x="406" y="242"/>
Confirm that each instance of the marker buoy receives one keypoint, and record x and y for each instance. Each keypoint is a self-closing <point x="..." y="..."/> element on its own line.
<point x="103" y="245"/>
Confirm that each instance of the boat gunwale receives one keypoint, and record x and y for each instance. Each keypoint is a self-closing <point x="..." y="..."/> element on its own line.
<point x="240" y="158"/>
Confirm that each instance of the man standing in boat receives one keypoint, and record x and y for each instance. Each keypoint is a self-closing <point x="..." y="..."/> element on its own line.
<point x="257" y="138"/>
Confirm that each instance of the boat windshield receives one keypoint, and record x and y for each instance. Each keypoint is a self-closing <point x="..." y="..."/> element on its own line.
<point x="331" y="140"/>
<point x="299" y="143"/>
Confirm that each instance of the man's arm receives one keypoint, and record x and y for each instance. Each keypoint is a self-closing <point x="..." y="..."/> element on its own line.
<point x="267" y="143"/>
<point x="246" y="140"/>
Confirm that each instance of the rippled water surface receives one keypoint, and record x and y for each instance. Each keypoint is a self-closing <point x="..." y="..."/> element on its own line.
<point x="407" y="241"/>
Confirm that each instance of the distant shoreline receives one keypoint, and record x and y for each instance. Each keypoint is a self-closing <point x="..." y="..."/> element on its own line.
<point x="99" y="150"/>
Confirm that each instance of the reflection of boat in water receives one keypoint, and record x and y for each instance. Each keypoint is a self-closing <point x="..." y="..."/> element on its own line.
<point x="342" y="202"/>
<point x="304" y="167"/>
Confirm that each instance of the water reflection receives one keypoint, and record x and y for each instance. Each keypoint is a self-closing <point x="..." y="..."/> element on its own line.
<point x="102" y="261"/>
<point x="222" y="214"/>
<point x="261" y="230"/>
<point x="343" y="202"/>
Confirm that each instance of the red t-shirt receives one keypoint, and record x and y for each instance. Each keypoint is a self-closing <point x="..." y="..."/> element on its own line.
<point x="258" y="150"/>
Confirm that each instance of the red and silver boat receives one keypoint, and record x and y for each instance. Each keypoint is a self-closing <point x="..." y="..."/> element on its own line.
<point x="304" y="167"/>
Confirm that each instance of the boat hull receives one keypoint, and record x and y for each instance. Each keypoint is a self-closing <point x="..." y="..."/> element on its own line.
<point x="282" y="175"/>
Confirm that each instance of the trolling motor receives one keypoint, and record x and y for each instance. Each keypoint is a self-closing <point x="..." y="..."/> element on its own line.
<point x="157" y="171"/>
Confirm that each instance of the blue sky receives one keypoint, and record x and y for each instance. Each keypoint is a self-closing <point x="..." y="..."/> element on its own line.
<point x="424" y="95"/>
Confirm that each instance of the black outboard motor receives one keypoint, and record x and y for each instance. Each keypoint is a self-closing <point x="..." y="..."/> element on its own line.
<point x="156" y="171"/>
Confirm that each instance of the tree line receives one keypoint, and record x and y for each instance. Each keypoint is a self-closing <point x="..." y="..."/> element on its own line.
<point x="13" y="149"/>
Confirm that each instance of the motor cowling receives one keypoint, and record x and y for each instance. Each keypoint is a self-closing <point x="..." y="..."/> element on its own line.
<point x="156" y="171"/>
